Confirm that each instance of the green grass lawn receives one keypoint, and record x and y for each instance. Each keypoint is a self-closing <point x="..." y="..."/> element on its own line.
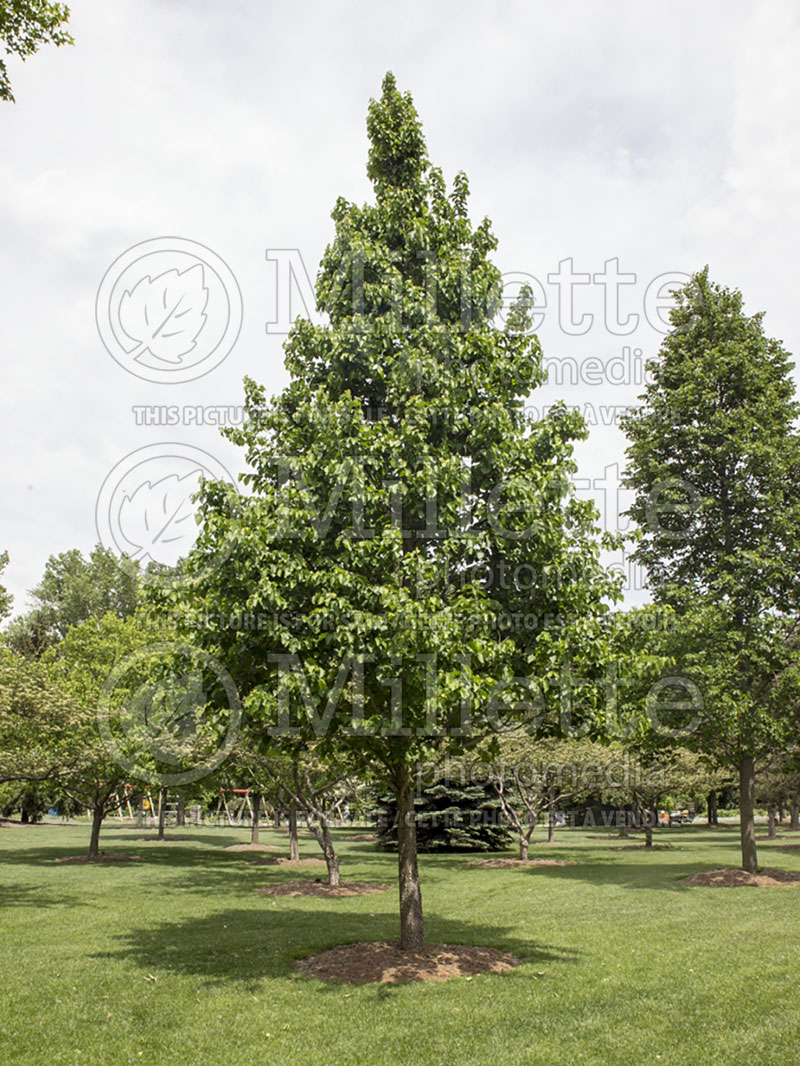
<point x="177" y="961"/>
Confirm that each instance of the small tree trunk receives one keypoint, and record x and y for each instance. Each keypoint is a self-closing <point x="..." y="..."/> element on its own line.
<point x="771" y="822"/>
<point x="276" y="821"/>
<point x="94" y="839"/>
<point x="180" y="814"/>
<point x="713" y="818"/>
<point x="256" y="809"/>
<point x="794" y="815"/>
<point x="162" y="812"/>
<point x="747" y="829"/>
<point x="551" y="826"/>
<point x="411" y="922"/>
<point x="294" y="845"/>
<point x="648" y="834"/>
<point x="140" y="813"/>
<point x="331" y="858"/>
<point x="523" y="846"/>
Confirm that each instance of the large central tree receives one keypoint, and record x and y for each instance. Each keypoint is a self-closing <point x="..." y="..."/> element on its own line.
<point x="410" y="568"/>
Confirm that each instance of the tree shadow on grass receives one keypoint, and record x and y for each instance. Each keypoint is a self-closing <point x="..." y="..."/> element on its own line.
<point x="248" y="945"/>
<point x="36" y="896"/>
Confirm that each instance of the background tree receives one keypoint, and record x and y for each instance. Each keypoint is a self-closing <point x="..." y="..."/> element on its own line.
<point x="73" y="589"/>
<point x="403" y="506"/>
<point x="6" y="599"/>
<point x="25" y="25"/>
<point x="714" y="458"/>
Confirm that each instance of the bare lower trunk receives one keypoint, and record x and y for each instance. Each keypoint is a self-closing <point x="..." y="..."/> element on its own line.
<point x="771" y="822"/>
<point x="180" y="814"/>
<point x="747" y="829"/>
<point x="94" y="839"/>
<point x="162" y="813"/>
<point x="713" y="818"/>
<point x="276" y="821"/>
<point x="294" y="846"/>
<point x="140" y="814"/>
<point x="551" y="826"/>
<point x="321" y="829"/>
<point x="648" y="834"/>
<point x="256" y="810"/>
<point x="523" y="847"/>
<point x="794" y="818"/>
<point x="411" y="923"/>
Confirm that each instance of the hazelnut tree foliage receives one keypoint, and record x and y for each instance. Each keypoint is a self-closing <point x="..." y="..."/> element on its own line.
<point x="409" y="567"/>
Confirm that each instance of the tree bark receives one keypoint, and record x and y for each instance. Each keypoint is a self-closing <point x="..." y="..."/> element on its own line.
<point x="713" y="818"/>
<point x="294" y="845"/>
<point x="648" y="834"/>
<point x="140" y="814"/>
<point x="523" y="847"/>
<point x="276" y="821"/>
<point x="411" y="922"/>
<point x="794" y="816"/>
<point x="180" y="814"/>
<point x="256" y="809"/>
<point x="747" y="829"/>
<point x="94" y="839"/>
<point x="162" y="813"/>
<point x="771" y="822"/>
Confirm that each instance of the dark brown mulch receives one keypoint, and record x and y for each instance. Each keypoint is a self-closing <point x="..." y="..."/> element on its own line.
<point x="728" y="877"/>
<point x="102" y="857"/>
<point x="322" y="888"/>
<point x="279" y="860"/>
<point x="384" y="962"/>
<point x="640" y="847"/>
<point x="497" y="864"/>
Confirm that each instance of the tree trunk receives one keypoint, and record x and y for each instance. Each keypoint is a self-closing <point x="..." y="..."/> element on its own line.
<point x="771" y="822"/>
<point x="411" y="923"/>
<point x="747" y="829"/>
<point x="94" y="839"/>
<point x="256" y="809"/>
<point x="162" y="812"/>
<point x="276" y="821"/>
<point x="331" y="858"/>
<point x="294" y="846"/>
<point x="551" y="826"/>
<point x="180" y="814"/>
<point x="648" y="834"/>
<point x="140" y="814"/>
<point x="794" y="817"/>
<point x="713" y="818"/>
<point x="523" y="846"/>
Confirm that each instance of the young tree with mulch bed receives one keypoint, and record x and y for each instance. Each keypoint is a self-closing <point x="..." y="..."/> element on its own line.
<point x="405" y="517"/>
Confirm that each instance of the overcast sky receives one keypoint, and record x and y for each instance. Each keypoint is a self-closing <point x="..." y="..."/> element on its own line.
<point x="648" y="137"/>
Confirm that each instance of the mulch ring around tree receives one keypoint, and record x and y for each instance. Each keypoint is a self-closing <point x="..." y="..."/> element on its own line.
<point x="252" y="847"/>
<point x="728" y="877"/>
<point x="166" y="839"/>
<point x="383" y="962"/>
<point x="102" y="857"/>
<point x="363" y="838"/>
<point x="497" y="864"/>
<point x="279" y="860"/>
<point x="640" y="847"/>
<point x="322" y="888"/>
